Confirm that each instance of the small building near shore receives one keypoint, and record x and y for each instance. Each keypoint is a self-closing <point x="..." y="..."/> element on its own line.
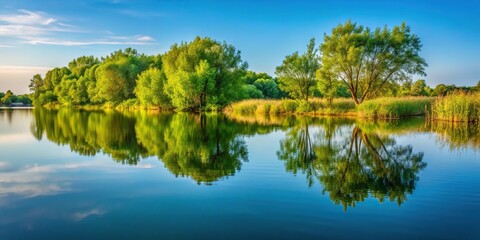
<point x="17" y="104"/>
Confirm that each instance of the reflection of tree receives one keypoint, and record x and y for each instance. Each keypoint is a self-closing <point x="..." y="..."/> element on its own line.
<point x="297" y="150"/>
<point x="203" y="147"/>
<point x="89" y="132"/>
<point x="353" y="164"/>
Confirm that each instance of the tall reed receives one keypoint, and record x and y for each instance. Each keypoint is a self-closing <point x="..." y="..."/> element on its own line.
<point x="457" y="107"/>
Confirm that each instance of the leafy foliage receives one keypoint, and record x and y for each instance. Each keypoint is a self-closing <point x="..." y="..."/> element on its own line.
<point x="202" y="73"/>
<point x="296" y="75"/>
<point x="365" y="60"/>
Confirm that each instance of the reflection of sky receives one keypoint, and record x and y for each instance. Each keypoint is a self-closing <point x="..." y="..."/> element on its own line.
<point x="48" y="192"/>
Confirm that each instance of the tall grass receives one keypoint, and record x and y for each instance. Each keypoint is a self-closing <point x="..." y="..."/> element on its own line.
<point x="314" y="106"/>
<point x="384" y="108"/>
<point x="457" y="107"/>
<point x="394" y="108"/>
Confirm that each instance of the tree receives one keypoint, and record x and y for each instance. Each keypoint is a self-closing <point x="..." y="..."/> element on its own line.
<point x="202" y="74"/>
<point x="36" y="85"/>
<point x="440" y="90"/>
<point x="8" y="98"/>
<point x="419" y="88"/>
<point x="116" y="76"/>
<point x="54" y="77"/>
<point x="365" y="60"/>
<point x="150" y="88"/>
<point x="296" y="75"/>
<point x="249" y="91"/>
<point x="80" y="65"/>
<point x="249" y="77"/>
<point x="268" y="87"/>
<point x="327" y="84"/>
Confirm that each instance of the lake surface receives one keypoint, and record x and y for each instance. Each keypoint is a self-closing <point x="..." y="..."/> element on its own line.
<point x="72" y="174"/>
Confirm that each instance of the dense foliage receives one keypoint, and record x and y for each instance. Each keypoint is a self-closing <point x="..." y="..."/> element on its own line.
<point x="204" y="74"/>
<point x="296" y="75"/>
<point x="200" y="75"/>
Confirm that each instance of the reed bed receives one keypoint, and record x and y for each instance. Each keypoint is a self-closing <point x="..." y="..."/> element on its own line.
<point x="316" y="106"/>
<point x="384" y="108"/>
<point x="457" y="107"/>
<point x="395" y="108"/>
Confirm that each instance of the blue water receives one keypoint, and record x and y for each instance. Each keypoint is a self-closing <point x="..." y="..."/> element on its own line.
<point x="180" y="176"/>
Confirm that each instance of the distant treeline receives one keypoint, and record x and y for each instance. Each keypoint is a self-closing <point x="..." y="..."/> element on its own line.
<point x="205" y="74"/>
<point x="9" y="99"/>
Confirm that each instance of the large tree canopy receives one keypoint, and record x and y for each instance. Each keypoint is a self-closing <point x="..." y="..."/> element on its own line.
<point x="150" y="88"/>
<point x="365" y="60"/>
<point x="203" y="73"/>
<point x="296" y="75"/>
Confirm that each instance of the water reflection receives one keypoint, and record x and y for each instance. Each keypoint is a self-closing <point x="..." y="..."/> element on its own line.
<point x="456" y="136"/>
<point x="204" y="147"/>
<point x="351" y="159"/>
<point x="351" y="163"/>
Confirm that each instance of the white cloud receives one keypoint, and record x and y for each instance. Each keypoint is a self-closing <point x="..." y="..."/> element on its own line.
<point x="26" y="17"/>
<point x="115" y="40"/>
<point x="145" y="38"/>
<point x="37" y="28"/>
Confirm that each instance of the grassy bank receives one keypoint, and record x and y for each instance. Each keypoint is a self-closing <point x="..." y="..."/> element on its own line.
<point x="315" y="106"/>
<point x="384" y="108"/>
<point x="457" y="107"/>
<point x="394" y="108"/>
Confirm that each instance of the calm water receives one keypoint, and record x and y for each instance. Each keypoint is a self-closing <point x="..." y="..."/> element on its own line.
<point x="86" y="175"/>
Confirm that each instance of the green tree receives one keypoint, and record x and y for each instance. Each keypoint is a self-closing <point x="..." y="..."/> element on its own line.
<point x="296" y="75"/>
<point x="36" y="85"/>
<point x="79" y="65"/>
<point x="249" y="91"/>
<point x="440" y="90"/>
<point x="116" y="76"/>
<point x="419" y="88"/>
<point x="8" y="98"/>
<point x="150" y="88"/>
<point x="365" y="60"/>
<point x="54" y="77"/>
<point x="328" y="85"/>
<point x="203" y="73"/>
<point x="268" y="87"/>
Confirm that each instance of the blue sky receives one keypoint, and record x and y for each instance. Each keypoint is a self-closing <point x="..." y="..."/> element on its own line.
<point x="38" y="35"/>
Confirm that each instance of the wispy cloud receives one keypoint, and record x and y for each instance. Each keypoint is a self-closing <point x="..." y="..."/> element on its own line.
<point x="114" y="40"/>
<point x="38" y="28"/>
<point x="27" y="23"/>
<point x="25" y="17"/>
<point x="21" y="69"/>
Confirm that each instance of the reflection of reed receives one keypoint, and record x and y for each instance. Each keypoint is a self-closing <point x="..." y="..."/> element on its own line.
<point x="456" y="135"/>
<point x="261" y="119"/>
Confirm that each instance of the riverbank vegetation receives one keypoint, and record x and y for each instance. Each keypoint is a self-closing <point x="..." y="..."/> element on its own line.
<point x="458" y="107"/>
<point x="9" y="99"/>
<point x="385" y="107"/>
<point x="356" y="71"/>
